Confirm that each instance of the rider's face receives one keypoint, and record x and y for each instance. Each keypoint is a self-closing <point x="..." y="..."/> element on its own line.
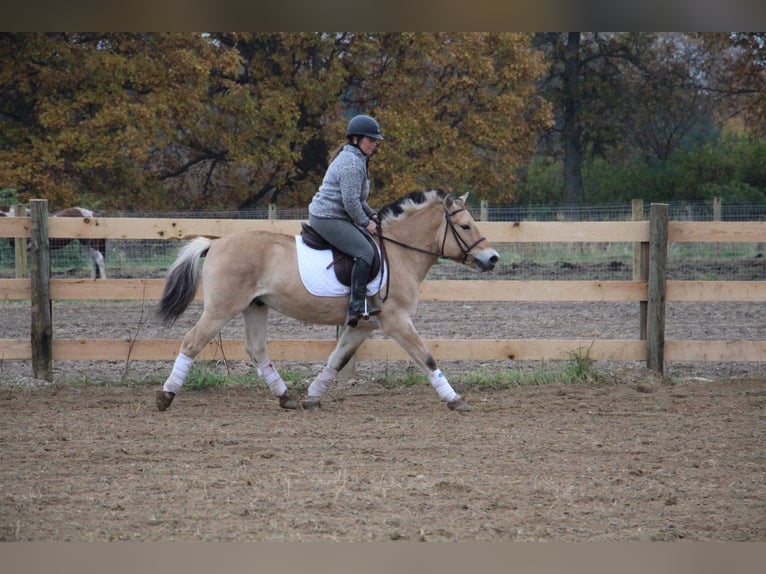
<point x="368" y="145"/>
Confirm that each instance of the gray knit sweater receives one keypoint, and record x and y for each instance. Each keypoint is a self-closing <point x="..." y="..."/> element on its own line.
<point x="345" y="188"/>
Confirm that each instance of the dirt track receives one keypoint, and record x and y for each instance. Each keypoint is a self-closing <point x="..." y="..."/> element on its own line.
<point x="637" y="461"/>
<point x="633" y="458"/>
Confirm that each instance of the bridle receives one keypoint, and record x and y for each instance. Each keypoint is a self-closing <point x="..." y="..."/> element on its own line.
<point x="449" y="226"/>
<point x="465" y="248"/>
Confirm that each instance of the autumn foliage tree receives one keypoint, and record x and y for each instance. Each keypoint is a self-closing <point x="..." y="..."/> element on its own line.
<point x="200" y="121"/>
<point x="459" y="111"/>
<point x="84" y="115"/>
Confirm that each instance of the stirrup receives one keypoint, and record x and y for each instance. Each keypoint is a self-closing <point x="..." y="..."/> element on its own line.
<point x="353" y="316"/>
<point x="369" y="310"/>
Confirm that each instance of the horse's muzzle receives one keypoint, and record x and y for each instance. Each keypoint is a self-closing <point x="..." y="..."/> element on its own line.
<point x="486" y="261"/>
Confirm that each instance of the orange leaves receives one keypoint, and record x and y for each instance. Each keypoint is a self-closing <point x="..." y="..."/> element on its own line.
<point x="183" y="120"/>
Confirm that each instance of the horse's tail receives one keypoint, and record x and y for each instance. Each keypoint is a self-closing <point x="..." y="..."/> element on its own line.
<point x="182" y="280"/>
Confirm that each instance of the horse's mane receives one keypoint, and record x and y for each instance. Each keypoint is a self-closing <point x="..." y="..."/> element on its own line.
<point x="413" y="200"/>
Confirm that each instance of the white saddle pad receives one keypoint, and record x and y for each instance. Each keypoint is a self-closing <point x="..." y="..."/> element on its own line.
<point x="320" y="280"/>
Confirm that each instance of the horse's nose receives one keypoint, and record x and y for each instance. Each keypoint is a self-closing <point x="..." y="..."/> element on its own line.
<point x="489" y="263"/>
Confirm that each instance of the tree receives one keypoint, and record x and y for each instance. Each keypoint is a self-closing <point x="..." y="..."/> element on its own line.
<point x="200" y="121"/>
<point x="458" y="110"/>
<point x="269" y="128"/>
<point x="741" y="75"/>
<point x="670" y="106"/>
<point x="587" y="89"/>
<point x="572" y="128"/>
<point x="83" y="114"/>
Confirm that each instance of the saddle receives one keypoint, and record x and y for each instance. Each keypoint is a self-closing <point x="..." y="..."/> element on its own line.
<point x="342" y="263"/>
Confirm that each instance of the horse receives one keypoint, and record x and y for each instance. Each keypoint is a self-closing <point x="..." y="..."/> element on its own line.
<point x="251" y="272"/>
<point x="96" y="248"/>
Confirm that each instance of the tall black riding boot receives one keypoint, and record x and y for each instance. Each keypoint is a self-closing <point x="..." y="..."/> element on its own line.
<point x="359" y="308"/>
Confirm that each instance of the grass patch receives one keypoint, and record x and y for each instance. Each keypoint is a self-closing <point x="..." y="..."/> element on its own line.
<point x="215" y="374"/>
<point x="578" y="369"/>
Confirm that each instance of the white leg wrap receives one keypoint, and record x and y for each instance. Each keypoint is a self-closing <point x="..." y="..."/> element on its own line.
<point x="98" y="261"/>
<point x="101" y="265"/>
<point x="179" y="373"/>
<point x="324" y="378"/>
<point x="273" y="379"/>
<point x="442" y="386"/>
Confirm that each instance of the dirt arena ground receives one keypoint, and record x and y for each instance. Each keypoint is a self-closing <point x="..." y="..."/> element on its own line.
<point x="635" y="457"/>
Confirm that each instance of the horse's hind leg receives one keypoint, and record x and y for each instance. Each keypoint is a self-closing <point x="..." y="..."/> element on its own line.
<point x="349" y="342"/>
<point x="256" y="322"/>
<point x="97" y="268"/>
<point x="194" y="341"/>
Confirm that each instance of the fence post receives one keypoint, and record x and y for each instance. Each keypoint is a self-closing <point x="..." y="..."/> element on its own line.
<point x="637" y="214"/>
<point x="42" y="321"/>
<point x="658" y="255"/>
<point x="20" y="246"/>
<point x="717" y="210"/>
<point x="273" y="213"/>
<point x="640" y="264"/>
<point x="484" y="210"/>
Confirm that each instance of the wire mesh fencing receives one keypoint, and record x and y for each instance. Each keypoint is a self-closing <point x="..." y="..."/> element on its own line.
<point x="519" y="261"/>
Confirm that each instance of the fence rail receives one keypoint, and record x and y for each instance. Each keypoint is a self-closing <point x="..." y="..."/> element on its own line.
<point x="650" y="290"/>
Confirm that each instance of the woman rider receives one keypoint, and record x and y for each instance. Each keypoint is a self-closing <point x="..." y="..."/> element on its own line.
<point x="339" y="211"/>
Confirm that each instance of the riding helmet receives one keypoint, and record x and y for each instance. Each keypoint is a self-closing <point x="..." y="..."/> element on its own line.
<point x="363" y="126"/>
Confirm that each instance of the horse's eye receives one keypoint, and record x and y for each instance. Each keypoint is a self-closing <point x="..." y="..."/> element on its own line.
<point x="465" y="226"/>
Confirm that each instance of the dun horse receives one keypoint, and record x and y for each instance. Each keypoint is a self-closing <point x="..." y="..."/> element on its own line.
<point x="251" y="272"/>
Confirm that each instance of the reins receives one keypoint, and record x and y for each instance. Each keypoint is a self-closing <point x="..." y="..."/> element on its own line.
<point x="464" y="247"/>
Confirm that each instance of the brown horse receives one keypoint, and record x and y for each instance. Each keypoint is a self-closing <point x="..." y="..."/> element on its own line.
<point x="96" y="248"/>
<point x="251" y="272"/>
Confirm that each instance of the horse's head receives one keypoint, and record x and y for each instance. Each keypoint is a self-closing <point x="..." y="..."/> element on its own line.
<point x="462" y="240"/>
<point x="437" y="224"/>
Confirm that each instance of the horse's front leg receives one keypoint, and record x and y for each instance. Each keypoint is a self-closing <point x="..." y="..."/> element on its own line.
<point x="401" y="329"/>
<point x="349" y="341"/>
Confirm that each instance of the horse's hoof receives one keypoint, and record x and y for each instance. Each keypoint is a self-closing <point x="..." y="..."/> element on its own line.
<point x="459" y="405"/>
<point x="312" y="404"/>
<point x="288" y="401"/>
<point x="164" y="398"/>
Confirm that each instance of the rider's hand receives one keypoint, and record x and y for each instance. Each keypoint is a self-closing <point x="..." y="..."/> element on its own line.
<point x="372" y="227"/>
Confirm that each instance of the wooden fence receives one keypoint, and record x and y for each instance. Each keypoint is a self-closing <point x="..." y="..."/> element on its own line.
<point x="649" y="289"/>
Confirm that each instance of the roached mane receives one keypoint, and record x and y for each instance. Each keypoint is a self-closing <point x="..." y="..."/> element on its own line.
<point x="413" y="200"/>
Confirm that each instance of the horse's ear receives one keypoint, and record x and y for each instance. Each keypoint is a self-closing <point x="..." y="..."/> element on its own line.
<point x="463" y="198"/>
